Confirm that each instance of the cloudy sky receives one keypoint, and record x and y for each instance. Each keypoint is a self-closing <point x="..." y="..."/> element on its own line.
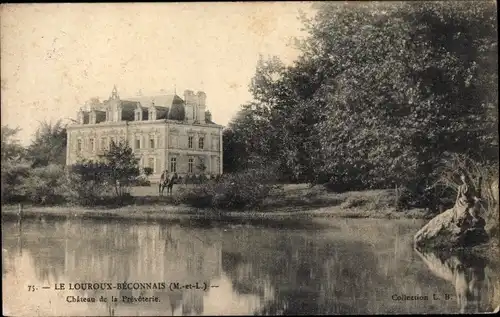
<point x="54" y="57"/>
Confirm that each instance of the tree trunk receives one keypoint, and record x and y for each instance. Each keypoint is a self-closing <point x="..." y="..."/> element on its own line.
<point x="396" y="194"/>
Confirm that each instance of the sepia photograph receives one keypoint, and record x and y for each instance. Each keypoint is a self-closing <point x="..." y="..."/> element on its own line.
<point x="250" y="158"/>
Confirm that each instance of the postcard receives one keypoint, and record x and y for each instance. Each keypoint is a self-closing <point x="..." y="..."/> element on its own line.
<point x="249" y="158"/>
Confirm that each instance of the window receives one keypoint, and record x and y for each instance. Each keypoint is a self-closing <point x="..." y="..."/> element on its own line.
<point x="190" y="165"/>
<point x="91" y="145"/>
<point x="190" y="142"/>
<point x="137" y="143"/>
<point x="173" y="165"/>
<point x="151" y="163"/>
<point x="152" y="115"/>
<point x="111" y="141"/>
<point x="79" y="145"/>
<point x="152" y="143"/>
<point x="201" y="142"/>
<point x="103" y="143"/>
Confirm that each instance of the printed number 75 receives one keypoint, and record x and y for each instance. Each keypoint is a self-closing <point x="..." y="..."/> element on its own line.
<point x="31" y="288"/>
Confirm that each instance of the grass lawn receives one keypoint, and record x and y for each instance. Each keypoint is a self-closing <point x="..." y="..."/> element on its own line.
<point x="296" y="200"/>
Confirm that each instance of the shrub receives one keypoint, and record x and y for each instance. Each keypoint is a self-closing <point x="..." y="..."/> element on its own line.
<point x="188" y="179"/>
<point x="148" y="171"/>
<point x="86" y="183"/>
<point x="45" y="185"/>
<point x="232" y="192"/>
<point x="369" y="200"/>
<point x="203" y="178"/>
<point x="353" y="202"/>
<point x="14" y="175"/>
<point x="141" y="181"/>
<point x="199" y="196"/>
<point x="91" y="182"/>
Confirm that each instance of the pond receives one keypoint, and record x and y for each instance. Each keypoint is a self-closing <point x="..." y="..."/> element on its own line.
<point x="340" y="266"/>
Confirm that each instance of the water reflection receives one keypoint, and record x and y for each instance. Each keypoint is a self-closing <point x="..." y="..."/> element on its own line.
<point x="466" y="272"/>
<point x="82" y="251"/>
<point x="354" y="267"/>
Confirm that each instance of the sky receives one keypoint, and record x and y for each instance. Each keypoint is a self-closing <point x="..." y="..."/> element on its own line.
<point x="55" y="57"/>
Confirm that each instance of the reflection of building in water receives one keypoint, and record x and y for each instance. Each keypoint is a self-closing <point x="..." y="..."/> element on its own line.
<point x="301" y="271"/>
<point x="192" y="303"/>
<point x="145" y="253"/>
<point x="84" y="251"/>
<point x="88" y="251"/>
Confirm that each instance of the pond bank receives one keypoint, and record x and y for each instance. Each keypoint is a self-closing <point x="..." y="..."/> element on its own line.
<point x="296" y="202"/>
<point x="183" y="212"/>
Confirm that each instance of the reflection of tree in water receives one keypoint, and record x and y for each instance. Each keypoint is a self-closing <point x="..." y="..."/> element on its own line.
<point x="307" y="276"/>
<point x="292" y="271"/>
<point x="467" y="274"/>
<point x="47" y="251"/>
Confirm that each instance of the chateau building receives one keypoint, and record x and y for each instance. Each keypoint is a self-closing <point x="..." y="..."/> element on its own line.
<point x="165" y="131"/>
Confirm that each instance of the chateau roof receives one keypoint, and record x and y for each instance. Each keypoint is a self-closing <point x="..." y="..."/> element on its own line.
<point x="169" y="106"/>
<point x="128" y="105"/>
<point x="160" y="102"/>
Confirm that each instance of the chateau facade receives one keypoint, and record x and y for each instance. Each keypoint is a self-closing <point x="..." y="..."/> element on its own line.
<point x="165" y="132"/>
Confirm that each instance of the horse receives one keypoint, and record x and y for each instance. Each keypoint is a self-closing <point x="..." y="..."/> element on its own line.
<point x="166" y="180"/>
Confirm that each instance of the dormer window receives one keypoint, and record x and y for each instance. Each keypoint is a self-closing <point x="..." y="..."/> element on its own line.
<point x="152" y="114"/>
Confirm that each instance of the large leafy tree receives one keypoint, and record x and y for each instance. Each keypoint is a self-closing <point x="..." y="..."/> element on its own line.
<point x="383" y="92"/>
<point x="286" y="108"/>
<point x="14" y="169"/>
<point x="49" y="145"/>
<point x="121" y="167"/>
<point x="411" y="86"/>
<point x="11" y="148"/>
<point x="235" y="156"/>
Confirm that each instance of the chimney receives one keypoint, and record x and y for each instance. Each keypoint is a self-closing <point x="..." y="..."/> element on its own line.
<point x="208" y="116"/>
<point x="189" y="100"/>
<point x="202" y="97"/>
<point x="80" y="116"/>
<point x="189" y="97"/>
